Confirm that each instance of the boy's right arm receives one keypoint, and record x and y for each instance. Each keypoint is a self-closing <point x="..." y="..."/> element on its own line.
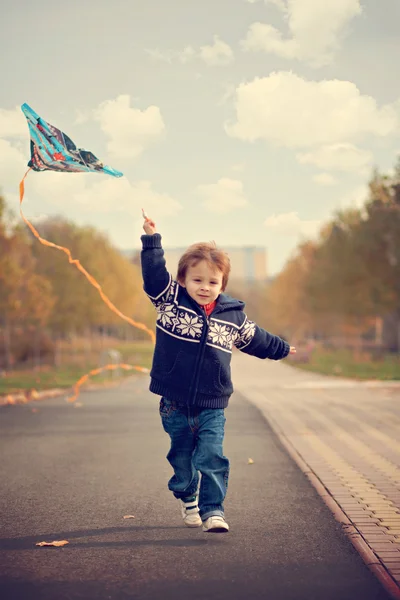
<point x="156" y="279"/>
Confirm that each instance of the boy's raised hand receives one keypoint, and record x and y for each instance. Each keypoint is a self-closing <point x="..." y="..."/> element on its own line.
<point x="149" y="226"/>
<point x="292" y="350"/>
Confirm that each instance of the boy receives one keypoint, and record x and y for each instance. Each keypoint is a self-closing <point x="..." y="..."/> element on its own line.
<point x="197" y="326"/>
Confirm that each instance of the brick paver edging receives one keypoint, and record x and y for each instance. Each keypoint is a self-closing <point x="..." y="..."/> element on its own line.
<point x="367" y="554"/>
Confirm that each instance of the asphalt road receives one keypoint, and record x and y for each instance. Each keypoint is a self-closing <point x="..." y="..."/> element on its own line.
<point x="73" y="473"/>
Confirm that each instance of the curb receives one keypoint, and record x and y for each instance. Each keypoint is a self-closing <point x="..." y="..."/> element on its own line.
<point x="349" y="528"/>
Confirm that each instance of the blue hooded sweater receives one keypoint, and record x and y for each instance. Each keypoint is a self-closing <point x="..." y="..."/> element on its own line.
<point x="192" y="356"/>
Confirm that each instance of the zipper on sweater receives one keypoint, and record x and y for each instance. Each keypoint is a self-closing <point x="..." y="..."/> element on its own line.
<point x="200" y="361"/>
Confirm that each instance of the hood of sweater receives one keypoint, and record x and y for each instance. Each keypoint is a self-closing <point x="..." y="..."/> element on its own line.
<point x="225" y="302"/>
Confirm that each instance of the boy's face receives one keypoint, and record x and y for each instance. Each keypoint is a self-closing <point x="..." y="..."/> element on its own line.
<point x="202" y="283"/>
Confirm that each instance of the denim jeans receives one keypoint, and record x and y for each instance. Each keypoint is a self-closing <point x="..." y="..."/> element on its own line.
<point x="197" y="436"/>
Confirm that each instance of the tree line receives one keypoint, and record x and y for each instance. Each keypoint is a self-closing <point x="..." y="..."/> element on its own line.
<point x="41" y="292"/>
<point x="346" y="284"/>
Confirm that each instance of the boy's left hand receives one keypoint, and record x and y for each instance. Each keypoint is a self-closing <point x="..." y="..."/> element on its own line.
<point x="292" y="350"/>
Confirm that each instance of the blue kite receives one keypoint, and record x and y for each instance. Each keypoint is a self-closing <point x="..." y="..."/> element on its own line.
<point x="53" y="150"/>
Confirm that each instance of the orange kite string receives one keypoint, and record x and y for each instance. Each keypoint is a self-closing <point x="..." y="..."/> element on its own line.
<point x="85" y="377"/>
<point x="95" y="284"/>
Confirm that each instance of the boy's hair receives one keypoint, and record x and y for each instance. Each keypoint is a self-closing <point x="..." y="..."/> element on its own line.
<point x="208" y="251"/>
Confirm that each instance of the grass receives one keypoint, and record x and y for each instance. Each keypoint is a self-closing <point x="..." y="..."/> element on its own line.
<point x="344" y="363"/>
<point x="74" y="366"/>
<point x="76" y="363"/>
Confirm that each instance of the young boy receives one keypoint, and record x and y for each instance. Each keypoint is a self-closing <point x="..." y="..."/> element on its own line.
<point x="197" y="326"/>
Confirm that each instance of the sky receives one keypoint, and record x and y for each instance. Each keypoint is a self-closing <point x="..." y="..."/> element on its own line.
<point x="247" y="122"/>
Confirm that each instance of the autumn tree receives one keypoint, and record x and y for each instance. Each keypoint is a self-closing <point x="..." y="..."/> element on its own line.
<point x="289" y="306"/>
<point x="351" y="274"/>
<point x="78" y="305"/>
<point x="25" y="296"/>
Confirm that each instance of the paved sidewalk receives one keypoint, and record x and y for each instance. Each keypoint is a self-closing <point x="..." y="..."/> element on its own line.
<point x="346" y="435"/>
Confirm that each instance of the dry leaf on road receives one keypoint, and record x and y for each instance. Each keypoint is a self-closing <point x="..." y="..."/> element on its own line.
<point x="250" y="461"/>
<point x="56" y="543"/>
<point x="129" y="516"/>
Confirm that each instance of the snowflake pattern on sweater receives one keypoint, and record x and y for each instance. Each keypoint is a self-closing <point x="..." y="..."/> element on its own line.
<point x="186" y="324"/>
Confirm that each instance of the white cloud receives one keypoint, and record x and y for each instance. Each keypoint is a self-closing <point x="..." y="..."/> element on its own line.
<point x="58" y="189"/>
<point x="339" y="157"/>
<point x="88" y="193"/>
<point x="290" y="111"/>
<point x="129" y="129"/>
<point x="13" y="123"/>
<point x="290" y="224"/>
<point x="229" y="93"/>
<point x="219" y="53"/>
<point x="168" y="56"/>
<point x="157" y="55"/>
<point x="186" y="55"/>
<point x="315" y="30"/>
<point x="113" y="195"/>
<point x="13" y="165"/>
<point x="222" y="197"/>
<point x="324" y="179"/>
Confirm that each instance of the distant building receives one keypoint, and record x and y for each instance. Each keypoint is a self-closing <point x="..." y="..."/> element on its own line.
<point x="248" y="263"/>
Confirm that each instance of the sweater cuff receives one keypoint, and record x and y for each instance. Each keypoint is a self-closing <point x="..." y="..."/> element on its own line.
<point x="151" y="241"/>
<point x="286" y="349"/>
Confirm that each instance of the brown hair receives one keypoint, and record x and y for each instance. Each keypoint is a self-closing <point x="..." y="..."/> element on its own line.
<point x="208" y="251"/>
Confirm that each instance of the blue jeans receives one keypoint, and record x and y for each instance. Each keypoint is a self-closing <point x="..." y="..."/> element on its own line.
<point x="197" y="436"/>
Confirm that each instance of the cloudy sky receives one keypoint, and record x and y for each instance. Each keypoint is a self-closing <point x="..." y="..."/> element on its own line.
<point x="244" y="121"/>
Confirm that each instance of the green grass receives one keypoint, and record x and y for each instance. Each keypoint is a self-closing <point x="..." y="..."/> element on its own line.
<point x="66" y="375"/>
<point x="344" y="363"/>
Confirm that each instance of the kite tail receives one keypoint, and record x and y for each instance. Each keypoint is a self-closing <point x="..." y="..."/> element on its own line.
<point x="85" y="377"/>
<point x="75" y="261"/>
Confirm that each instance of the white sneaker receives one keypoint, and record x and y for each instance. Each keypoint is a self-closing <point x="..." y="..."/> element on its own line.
<point x="215" y="524"/>
<point x="190" y="513"/>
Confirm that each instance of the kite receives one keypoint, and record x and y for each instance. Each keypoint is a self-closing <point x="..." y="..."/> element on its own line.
<point x="53" y="150"/>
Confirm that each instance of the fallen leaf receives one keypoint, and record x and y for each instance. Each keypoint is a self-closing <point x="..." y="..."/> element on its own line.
<point x="129" y="516"/>
<point x="56" y="543"/>
<point x="34" y="410"/>
<point x="250" y="461"/>
<point x="78" y="404"/>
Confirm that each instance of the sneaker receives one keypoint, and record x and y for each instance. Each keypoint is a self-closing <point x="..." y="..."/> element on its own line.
<point x="215" y="524"/>
<point x="190" y="512"/>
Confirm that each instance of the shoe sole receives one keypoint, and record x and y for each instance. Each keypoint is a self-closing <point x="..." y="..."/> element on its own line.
<point x="216" y="530"/>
